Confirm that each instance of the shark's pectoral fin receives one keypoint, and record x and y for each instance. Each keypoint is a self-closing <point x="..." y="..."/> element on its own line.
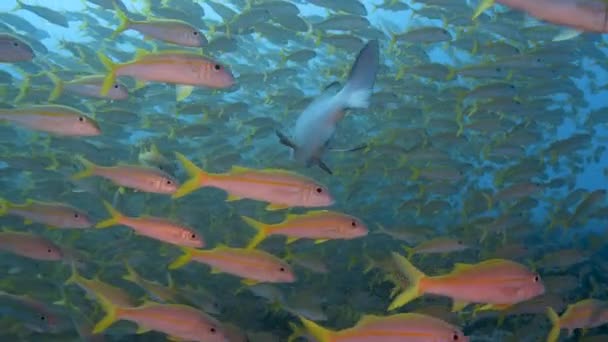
<point x="283" y="139"/>
<point x="351" y="149"/>
<point x="324" y="166"/>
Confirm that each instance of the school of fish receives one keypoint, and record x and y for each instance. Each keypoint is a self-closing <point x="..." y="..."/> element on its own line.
<point x="303" y="170"/>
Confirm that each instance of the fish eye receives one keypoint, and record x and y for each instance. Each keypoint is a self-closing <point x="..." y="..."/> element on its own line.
<point x="216" y="305"/>
<point x="282" y="269"/>
<point x="353" y="223"/>
<point x="217" y="67"/>
<point x="512" y="86"/>
<point x="49" y="250"/>
<point x="539" y="60"/>
<point x="195" y="33"/>
<point x="81" y="119"/>
<point x="116" y="86"/>
<point x="212" y="330"/>
<point x="76" y="215"/>
<point x="455" y="337"/>
<point x="536" y="278"/>
<point x="169" y="182"/>
<point x="15" y="44"/>
<point x="42" y="317"/>
<point x="319" y="190"/>
<point x="498" y="69"/>
<point x="193" y="236"/>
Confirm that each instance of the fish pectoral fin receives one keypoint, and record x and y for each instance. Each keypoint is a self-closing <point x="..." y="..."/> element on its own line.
<point x="249" y="282"/>
<point x="324" y="166"/>
<point x="142" y="330"/>
<point x="232" y="198"/>
<point x="175" y="338"/>
<point x="318" y="241"/>
<point x="291" y="240"/>
<point x="283" y="139"/>
<point x="275" y="206"/>
<point x="459" y="305"/>
<point x="215" y="270"/>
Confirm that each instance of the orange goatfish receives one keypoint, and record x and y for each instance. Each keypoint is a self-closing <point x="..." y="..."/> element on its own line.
<point x="497" y="282"/>
<point x="320" y="225"/>
<point x="54" y="215"/>
<point x="142" y="178"/>
<point x="282" y="189"/>
<point x="585" y="314"/>
<point x="30" y="246"/>
<point x="154" y="227"/>
<point x="53" y="119"/>
<point x="181" y="322"/>
<point x="410" y="327"/>
<point x="253" y="265"/>
<point x="182" y="68"/>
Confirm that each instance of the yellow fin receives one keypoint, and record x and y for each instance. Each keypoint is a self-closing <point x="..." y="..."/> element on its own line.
<point x="260" y="227"/>
<point x="183" y="259"/>
<point x="292" y="239"/>
<point x="110" y="78"/>
<point x="462" y="267"/>
<point x="114" y="219"/>
<point x="215" y="270"/>
<point x="58" y="87"/>
<point x="318" y="241"/>
<point x="124" y="22"/>
<point x="413" y="275"/>
<point x="274" y="206"/>
<point x="317" y="331"/>
<point x="110" y="316"/>
<point x="182" y="92"/>
<point x="555" y="328"/>
<point x="197" y="177"/>
<point x="249" y="282"/>
<point x="458" y="305"/>
<point x="142" y="330"/>
<point x="483" y="5"/>
<point x="232" y="198"/>
<point x="89" y="169"/>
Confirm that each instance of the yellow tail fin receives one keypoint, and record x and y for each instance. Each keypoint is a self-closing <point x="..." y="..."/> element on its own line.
<point x="110" y="78"/>
<point x="183" y="259"/>
<point x="109" y="318"/>
<point x="554" y="318"/>
<point x="131" y="275"/>
<point x="114" y="219"/>
<point x="262" y="231"/>
<point x="317" y="331"/>
<point x="414" y="276"/>
<point x="74" y="277"/>
<point x="483" y="5"/>
<point x="89" y="169"/>
<point x="124" y="22"/>
<point x="58" y="89"/>
<point x="197" y="177"/>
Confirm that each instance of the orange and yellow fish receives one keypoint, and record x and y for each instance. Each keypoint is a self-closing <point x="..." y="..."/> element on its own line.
<point x="142" y="178"/>
<point x="410" y="327"/>
<point x="176" y="67"/>
<point x="154" y="227"/>
<point x="53" y="119"/>
<point x="498" y="283"/>
<point x="181" y="322"/>
<point x="55" y="215"/>
<point x="282" y="189"/>
<point x="320" y="225"/>
<point x="585" y="314"/>
<point x="30" y="246"/>
<point x="253" y="265"/>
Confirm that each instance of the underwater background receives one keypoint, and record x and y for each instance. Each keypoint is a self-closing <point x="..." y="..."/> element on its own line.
<point x="284" y="170"/>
